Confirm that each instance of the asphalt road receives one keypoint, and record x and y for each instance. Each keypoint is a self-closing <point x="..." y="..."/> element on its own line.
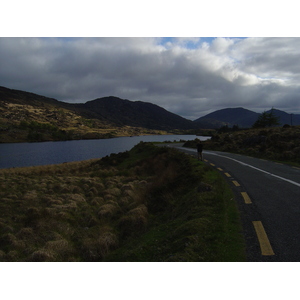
<point x="268" y="197"/>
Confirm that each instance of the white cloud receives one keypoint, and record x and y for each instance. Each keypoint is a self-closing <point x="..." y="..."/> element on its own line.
<point x="221" y="45"/>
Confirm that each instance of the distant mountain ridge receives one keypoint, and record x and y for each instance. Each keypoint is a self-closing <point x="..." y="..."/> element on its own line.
<point x="109" y="109"/>
<point x="114" y="113"/>
<point x="286" y="118"/>
<point x="244" y="118"/>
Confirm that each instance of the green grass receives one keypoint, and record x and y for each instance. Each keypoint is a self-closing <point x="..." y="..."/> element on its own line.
<point x="190" y="226"/>
<point x="147" y="204"/>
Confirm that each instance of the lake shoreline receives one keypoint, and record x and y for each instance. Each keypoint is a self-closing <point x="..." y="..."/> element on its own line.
<point x="101" y="138"/>
<point x="15" y="155"/>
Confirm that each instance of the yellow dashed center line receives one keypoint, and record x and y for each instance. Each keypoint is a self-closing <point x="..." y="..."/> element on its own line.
<point x="246" y="198"/>
<point x="265" y="246"/>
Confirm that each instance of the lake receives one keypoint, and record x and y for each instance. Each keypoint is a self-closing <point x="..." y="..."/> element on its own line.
<point x="47" y="153"/>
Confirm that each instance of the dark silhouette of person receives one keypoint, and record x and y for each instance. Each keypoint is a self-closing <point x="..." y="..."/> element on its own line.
<point x="199" y="150"/>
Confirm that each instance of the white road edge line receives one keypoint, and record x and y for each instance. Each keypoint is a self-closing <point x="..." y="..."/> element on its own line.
<point x="244" y="164"/>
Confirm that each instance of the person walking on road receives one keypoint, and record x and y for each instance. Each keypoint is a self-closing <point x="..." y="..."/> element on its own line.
<point x="199" y="150"/>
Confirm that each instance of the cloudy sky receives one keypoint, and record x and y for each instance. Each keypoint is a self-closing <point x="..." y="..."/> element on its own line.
<point x="189" y="76"/>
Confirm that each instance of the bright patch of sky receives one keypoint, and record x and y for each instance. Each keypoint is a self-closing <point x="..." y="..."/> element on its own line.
<point x="186" y="42"/>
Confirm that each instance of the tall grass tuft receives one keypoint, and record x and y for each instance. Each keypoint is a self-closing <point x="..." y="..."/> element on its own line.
<point x="134" y="221"/>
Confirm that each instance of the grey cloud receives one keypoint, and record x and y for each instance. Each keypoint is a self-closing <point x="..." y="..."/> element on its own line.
<point x="254" y="73"/>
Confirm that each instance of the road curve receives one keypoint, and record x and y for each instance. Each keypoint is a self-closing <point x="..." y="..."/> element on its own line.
<point x="268" y="197"/>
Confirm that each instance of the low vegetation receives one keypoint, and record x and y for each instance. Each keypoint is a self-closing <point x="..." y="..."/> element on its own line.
<point x="148" y="204"/>
<point x="275" y="143"/>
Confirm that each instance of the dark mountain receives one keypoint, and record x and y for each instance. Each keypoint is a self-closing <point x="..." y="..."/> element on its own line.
<point x="230" y="116"/>
<point x="109" y="110"/>
<point x="114" y="112"/>
<point x="244" y="118"/>
<point x="133" y="113"/>
<point x="285" y="118"/>
<point x="25" y="98"/>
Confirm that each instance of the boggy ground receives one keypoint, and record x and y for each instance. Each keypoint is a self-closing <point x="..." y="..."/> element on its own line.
<point x="147" y="204"/>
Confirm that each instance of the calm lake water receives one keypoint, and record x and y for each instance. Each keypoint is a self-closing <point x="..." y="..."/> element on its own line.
<point x="46" y="153"/>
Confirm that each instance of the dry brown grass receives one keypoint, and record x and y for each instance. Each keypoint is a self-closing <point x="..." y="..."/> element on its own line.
<point x="109" y="210"/>
<point x="42" y="255"/>
<point x="134" y="221"/>
<point x="96" y="248"/>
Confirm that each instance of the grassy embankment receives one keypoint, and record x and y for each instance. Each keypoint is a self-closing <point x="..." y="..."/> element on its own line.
<point x="147" y="204"/>
<point x="277" y="143"/>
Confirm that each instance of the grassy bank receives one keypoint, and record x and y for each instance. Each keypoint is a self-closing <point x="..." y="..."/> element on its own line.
<point x="277" y="143"/>
<point x="147" y="204"/>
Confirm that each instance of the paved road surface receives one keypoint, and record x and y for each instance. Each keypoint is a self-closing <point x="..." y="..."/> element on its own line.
<point x="268" y="196"/>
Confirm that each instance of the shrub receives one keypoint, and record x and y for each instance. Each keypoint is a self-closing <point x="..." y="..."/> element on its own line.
<point x="42" y="255"/>
<point x="115" y="192"/>
<point x="61" y="249"/>
<point x="109" y="210"/>
<point x="97" y="247"/>
<point x="134" y="222"/>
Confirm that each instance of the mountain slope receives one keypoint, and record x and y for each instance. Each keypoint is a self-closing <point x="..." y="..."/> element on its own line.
<point x="230" y="116"/>
<point x="244" y="118"/>
<point x="26" y="117"/>
<point x="29" y="117"/>
<point x="25" y="98"/>
<point x="112" y="110"/>
<point x="285" y="118"/>
<point x="137" y="114"/>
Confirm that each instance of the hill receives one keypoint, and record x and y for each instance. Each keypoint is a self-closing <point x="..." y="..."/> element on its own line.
<point x="134" y="113"/>
<point x="230" y="116"/>
<point x="242" y="117"/>
<point x="27" y="116"/>
<point x="285" y="118"/>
